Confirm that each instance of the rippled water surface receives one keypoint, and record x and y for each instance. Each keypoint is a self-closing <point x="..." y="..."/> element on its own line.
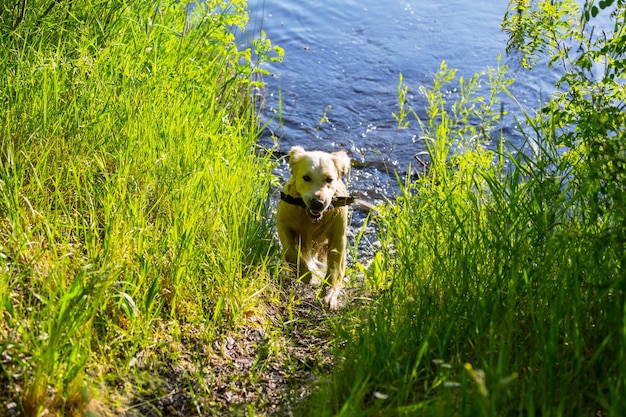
<point x="343" y="60"/>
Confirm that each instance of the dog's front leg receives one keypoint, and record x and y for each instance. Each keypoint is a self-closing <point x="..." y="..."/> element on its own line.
<point x="336" y="270"/>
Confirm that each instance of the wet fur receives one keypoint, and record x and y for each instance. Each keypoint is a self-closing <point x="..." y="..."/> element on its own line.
<point x="314" y="237"/>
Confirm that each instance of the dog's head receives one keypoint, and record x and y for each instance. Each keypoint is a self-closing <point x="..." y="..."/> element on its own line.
<point x="317" y="177"/>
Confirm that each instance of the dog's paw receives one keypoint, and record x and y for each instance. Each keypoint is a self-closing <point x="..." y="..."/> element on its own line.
<point x="331" y="298"/>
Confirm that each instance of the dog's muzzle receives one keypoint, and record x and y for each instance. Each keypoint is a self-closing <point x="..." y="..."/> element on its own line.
<point x="315" y="208"/>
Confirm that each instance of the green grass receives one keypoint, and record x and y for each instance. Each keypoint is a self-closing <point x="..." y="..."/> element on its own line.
<point x="508" y="295"/>
<point x="131" y="201"/>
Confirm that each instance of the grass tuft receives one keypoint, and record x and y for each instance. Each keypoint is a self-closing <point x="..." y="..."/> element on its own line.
<point x="130" y="196"/>
<point x="507" y="295"/>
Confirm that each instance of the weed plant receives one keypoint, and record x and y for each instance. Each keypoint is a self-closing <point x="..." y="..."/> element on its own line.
<point x="504" y="271"/>
<point x="131" y="202"/>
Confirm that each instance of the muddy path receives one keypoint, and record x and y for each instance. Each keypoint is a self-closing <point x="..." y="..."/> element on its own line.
<point x="270" y="369"/>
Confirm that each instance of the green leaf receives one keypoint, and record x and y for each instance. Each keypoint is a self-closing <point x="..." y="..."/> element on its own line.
<point x="606" y="3"/>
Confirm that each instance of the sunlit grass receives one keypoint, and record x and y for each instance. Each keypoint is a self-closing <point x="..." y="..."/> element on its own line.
<point x="130" y="196"/>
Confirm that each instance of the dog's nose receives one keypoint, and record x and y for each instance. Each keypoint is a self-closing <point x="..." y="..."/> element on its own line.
<point x="317" y="204"/>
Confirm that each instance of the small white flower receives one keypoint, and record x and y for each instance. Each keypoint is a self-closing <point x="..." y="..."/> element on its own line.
<point x="380" y="395"/>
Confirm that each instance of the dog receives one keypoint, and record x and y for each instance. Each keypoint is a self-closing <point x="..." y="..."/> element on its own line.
<point x="312" y="218"/>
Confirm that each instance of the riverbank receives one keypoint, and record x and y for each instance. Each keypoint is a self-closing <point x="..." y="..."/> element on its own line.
<point x="140" y="274"/>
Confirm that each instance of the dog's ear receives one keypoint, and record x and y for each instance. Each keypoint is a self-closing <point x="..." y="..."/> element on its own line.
<point x="342" y="162"/>
<point x="295" y="154"/>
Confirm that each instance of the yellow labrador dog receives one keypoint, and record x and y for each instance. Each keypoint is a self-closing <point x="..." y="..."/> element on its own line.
<point x="312" y="217"/>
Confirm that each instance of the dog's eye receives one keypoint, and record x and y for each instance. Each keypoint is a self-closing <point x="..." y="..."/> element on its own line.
<point x="306" y="178"/>
<point x="329" y="180"/>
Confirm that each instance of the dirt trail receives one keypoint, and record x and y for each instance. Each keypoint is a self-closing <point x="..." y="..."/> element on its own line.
<point x="269" y="371"/>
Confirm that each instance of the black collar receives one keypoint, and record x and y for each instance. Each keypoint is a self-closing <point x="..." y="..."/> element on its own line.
<point x="297" y="201"/>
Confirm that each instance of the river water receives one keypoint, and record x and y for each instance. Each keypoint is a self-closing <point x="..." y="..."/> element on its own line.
<point x="343" y="60"/>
